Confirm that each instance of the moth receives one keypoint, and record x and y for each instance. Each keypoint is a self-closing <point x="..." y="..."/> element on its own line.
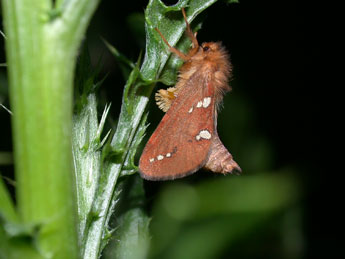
<point x="186" y="138"/>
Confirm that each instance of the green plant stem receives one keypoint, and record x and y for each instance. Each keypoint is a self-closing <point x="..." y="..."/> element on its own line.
<point x="41" y="54"/>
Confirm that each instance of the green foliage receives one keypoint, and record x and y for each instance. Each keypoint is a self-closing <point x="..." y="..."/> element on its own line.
<point x="132" y="223"/>
<point x="7" y="210"/>
<point x="98" y="166"/>
<point x="204" y="220"/>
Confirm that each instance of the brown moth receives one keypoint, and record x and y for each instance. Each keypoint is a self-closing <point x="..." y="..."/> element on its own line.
<point x="186" y="139"/>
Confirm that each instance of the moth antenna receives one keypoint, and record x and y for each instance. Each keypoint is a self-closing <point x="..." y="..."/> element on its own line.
<point x="172" y="49"/>
<point x="189" y="31"/>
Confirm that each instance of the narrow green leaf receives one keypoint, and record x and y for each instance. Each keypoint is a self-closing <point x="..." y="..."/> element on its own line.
<point x="132" y="223"/>
<point x="233" y="1"/>
<point x="125" y="64"/>
<point x="7" y="209"/>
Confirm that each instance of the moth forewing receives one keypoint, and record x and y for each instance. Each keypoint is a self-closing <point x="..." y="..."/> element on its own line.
<point x="187" y="128"/>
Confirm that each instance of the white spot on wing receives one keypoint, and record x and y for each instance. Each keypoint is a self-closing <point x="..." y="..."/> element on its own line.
<point x="205" y="134"/>
<point x="168" y="155"/>
<point x="206" y="102"/>
<point x="199" y="104"/>
<point x="191" y="109"/>
<point x="160" y="157"/>
<point x="151" y="160"/>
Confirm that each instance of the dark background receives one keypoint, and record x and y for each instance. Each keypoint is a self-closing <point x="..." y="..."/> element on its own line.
<point x="274" y="118"/>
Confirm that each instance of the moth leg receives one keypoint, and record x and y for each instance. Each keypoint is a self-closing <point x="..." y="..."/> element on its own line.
<point x="164" y="98"/>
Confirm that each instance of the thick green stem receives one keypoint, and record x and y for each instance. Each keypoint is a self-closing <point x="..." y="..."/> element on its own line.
<point x="41" y="53"/>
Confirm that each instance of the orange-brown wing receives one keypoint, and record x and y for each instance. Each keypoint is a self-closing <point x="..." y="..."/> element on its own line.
<point x="180" y="145"/>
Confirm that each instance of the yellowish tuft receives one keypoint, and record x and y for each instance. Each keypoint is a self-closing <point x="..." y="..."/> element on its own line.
<point x="164" y="98"/>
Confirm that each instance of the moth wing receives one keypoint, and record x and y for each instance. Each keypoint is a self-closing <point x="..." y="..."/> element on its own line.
<point x="180" y="145"/>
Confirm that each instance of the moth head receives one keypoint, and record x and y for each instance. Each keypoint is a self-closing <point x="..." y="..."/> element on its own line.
<point x="210" y="47"/>
<point x="211" y="51"/>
